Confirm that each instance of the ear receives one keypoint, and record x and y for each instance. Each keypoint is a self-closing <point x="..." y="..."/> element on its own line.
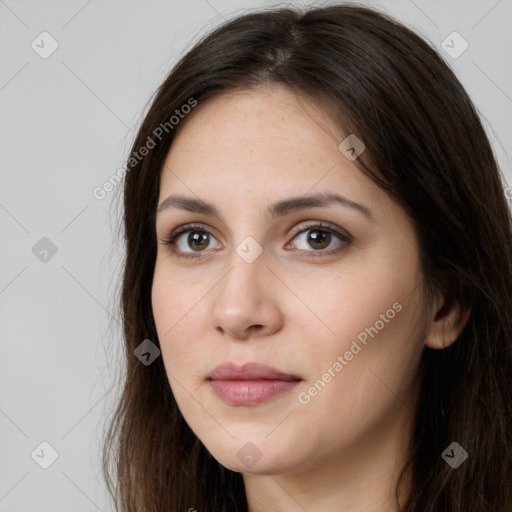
<point x="449" y="318"/>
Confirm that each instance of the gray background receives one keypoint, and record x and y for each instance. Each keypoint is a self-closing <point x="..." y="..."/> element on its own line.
<point x="66" y="125"/>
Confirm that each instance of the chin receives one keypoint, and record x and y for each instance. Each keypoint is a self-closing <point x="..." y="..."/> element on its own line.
<point x="258" y="456"/>
<point x="264" y="466"/>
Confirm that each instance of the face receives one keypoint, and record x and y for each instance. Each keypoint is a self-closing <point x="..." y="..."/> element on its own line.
<point x="326" y="294"/>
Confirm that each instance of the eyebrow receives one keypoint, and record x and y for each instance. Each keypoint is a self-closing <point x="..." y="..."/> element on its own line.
<point x="278" y="209"/>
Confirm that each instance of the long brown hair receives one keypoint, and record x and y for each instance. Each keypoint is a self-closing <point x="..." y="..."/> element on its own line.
<point x="425" y="146"/>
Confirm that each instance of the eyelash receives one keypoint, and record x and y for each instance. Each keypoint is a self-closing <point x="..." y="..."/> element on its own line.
<point x="198" y="228"/>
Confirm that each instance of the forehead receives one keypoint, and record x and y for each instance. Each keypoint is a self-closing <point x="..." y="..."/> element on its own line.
<point x="254" y="116"/>
<point x="267" y="138"/>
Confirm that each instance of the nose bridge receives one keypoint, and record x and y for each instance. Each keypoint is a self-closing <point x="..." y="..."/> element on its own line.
<point x="247" y="258"/>
<point x="247" y="266"/>
<point x="244" y="297"/>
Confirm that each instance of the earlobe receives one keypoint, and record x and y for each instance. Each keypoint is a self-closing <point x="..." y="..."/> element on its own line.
<point x="447" y="324"/>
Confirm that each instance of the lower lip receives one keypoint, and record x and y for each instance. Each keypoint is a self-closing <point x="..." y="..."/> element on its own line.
<point x="250" y="392"/>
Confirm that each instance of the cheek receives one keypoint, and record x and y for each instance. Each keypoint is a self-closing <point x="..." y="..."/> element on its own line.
<point x="172" y="298"/>
<point x="179" y="315"/>
<point x="372" y="361"/>
<point x="370" y="315"/>
<point x="163" y="303"/>
<point x="168" y="302"/>
<point x="335" y="307"/>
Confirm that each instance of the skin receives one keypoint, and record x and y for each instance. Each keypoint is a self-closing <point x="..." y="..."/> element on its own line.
<point x="342" y="450"/>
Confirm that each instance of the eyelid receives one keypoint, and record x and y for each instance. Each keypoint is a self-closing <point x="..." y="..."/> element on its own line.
<point x="170" y="238"/>
<point x="344" y="235"/>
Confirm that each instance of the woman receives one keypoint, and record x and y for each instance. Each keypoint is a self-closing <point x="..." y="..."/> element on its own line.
<point x="316" y="290"/>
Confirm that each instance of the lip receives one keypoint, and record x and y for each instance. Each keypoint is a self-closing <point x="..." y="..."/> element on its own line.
<point x="250" y="383"/>
<point x="249" y="371"/>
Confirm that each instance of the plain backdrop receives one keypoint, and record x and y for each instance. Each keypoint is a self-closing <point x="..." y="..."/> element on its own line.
<point x="66" y="123"/>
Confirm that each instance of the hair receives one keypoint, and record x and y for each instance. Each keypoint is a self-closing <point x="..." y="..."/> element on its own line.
<point x="427" y="148"/>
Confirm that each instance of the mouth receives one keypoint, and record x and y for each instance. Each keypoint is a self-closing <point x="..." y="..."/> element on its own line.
<point x="250" y="384"/>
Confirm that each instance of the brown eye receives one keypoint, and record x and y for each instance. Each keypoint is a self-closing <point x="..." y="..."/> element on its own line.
<point x="197" y="240"/>
<point x="319" y="239"/>
<point x="315" y="238"/>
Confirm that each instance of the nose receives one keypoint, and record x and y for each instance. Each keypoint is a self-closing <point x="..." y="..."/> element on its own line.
<point x="245" y="304"/>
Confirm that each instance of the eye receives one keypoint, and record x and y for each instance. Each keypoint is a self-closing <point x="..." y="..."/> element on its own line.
<point x="319" y="238"/>
<point x="198" y="239"/>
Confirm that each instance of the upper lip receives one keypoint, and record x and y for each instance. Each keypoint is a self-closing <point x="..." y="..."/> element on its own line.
<point x="249" y="371"/>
